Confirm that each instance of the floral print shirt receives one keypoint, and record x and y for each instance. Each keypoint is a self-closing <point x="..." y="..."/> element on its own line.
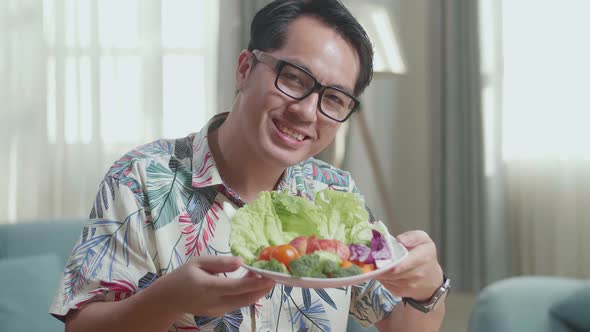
<point x="161" y="204"/>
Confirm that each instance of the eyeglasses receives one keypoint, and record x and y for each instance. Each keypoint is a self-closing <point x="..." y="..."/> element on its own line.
<point x="298" y="83"/>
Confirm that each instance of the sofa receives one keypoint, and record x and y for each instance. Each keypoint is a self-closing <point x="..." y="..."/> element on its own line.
<point x="533" y="304"/>
<point x="32" y="259"/>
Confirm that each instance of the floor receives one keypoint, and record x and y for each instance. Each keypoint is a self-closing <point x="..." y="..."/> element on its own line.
<point x="458" y="309"/>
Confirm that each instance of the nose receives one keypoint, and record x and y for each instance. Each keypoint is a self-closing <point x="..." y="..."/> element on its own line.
<point x="307" y="108"/>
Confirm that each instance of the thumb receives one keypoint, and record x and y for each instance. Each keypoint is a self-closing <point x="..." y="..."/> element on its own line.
<point x="413" y="239"/>
<point x="219" y="264"/>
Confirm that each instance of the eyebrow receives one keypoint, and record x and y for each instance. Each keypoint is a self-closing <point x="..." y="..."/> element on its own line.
<point x="339" y="86"/>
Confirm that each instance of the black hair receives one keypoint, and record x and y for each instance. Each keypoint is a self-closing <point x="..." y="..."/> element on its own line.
<point x="269" y="27"/>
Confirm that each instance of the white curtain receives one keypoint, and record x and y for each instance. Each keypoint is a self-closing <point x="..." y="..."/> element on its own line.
<point x="84" y="81"/>
<point x="537" y="109"/>
<point x="550" y="214"/>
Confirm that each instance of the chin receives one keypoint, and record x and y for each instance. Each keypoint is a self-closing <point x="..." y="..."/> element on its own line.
<point x="289" y="161"/>
<point x="286" y="158"/>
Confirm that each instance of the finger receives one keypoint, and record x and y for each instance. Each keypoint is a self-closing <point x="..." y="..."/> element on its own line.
<point x="413" y="239"/>
<point x="410" y="275"/>
<point x="219" y="264"/>
<point x="244" y="300"/>
<point x="418" y="256"/>
<point x="398" y="287"/>
<point x="237" y="286"/>
<point x="407" y="287"/>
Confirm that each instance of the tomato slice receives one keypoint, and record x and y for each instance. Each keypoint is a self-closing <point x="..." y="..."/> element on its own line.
<point x="333" y="246"/>
<point x="313" y="244"/>
<point x="300" y="243"/>
<point x="265" y="254"/>
<point x="342" y="250"/>
<point x="285" y="253"/>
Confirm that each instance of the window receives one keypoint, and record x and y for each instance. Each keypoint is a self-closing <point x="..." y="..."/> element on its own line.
<point x="535" y="71"/>
<point x="546" y="69"/>
<point x="124" y="71"/>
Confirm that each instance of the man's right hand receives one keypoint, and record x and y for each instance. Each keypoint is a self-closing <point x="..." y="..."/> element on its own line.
<point x="199" y="291"/>
<point x="193" y="288"/>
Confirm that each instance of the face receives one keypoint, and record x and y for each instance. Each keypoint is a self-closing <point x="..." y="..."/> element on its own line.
<point x="278" y="129"/>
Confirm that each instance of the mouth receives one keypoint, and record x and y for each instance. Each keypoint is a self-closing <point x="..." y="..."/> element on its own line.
<point x="290" y="132"/>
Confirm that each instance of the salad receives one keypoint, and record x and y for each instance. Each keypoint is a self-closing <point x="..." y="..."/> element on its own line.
<point x="327" y="238"/>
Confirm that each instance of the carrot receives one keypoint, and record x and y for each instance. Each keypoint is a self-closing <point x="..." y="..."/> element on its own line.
<point x="345" y="264"/>
<point x="366" y="268"/>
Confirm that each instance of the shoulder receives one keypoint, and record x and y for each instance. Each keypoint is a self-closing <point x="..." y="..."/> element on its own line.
<point x="321" y="172"/>
<point x="162" y="155"/>
<point x="156" y="151"/>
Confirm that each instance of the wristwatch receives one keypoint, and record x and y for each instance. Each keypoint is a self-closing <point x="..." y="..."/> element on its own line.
<point x="431" y="304"/>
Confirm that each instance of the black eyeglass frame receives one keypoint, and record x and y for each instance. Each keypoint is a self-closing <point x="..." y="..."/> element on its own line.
<point x="279" y="64"/>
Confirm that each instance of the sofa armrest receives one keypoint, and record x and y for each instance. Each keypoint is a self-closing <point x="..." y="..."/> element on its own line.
<point x="520" y="304"/>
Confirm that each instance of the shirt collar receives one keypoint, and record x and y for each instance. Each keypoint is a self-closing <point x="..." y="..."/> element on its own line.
<point x="205" y="173"/>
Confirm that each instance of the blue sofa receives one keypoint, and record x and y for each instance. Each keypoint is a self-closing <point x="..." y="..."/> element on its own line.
<point x="533" y="304"/>
<point x="32" y="258"/>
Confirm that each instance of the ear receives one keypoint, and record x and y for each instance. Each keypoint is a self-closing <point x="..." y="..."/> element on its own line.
<point x="243" y="69"/>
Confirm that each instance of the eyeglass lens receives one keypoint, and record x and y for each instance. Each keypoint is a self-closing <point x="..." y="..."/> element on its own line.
<point x="297" y="83"/>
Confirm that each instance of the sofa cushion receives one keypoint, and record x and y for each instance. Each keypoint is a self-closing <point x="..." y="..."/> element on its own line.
<point x="28" y="286"/>
<point x="521" y="304"/>
<point x="573" y="309"/>
<point x="28" y="239"/>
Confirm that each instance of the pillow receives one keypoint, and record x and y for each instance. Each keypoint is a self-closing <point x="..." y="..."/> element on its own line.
<point x="573" y="310"/>
<point x="27" y="287"/>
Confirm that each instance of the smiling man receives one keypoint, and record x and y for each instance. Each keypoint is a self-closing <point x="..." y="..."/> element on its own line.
<point x="283" y="114"/>
<point x="155" y="255"/>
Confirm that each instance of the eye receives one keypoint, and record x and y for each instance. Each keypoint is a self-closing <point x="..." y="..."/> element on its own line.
<point x="293" y="78"/>
<point x="335" y="99"/>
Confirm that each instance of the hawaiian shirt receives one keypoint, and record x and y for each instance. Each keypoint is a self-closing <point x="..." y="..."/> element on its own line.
<point x="161" y="204"/>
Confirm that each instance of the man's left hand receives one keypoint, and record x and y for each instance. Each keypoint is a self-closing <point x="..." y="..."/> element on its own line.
<point x="419" y="275"/>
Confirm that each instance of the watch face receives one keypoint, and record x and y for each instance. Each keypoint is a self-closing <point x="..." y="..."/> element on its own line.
<point x="440" y="300"/>
<point x="438" y="297"/>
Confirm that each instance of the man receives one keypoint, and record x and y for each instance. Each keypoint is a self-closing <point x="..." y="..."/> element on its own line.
<point x="155" y="256"/>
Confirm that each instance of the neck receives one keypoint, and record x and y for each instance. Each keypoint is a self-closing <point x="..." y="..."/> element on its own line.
<point x="237" y="164"/>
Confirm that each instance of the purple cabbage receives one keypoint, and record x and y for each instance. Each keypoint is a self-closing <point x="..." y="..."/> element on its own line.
<point x="360" y="253"/>
<point x="379" y="248"/>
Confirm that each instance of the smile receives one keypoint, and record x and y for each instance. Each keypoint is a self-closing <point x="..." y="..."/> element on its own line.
<point x="292" y="133"/>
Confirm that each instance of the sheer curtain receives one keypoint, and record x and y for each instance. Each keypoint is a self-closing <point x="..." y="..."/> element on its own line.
<point x="537" y="109"/>
<point x="86" y="80"/>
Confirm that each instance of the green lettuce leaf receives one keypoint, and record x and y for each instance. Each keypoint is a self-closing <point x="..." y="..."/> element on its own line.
<point x="256" y="225"/>
<point x="346" y="217"/>
<point x="298" y="215"/>
<point x="277" y="218"/>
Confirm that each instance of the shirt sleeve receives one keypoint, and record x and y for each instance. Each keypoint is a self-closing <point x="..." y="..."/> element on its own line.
<point x="371" y="302"/>
<point x="112" y="259"/>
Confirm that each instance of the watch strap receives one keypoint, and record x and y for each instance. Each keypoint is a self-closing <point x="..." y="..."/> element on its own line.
<point x="429" y="305"/>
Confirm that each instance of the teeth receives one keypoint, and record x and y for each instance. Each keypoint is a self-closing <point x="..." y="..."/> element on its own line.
<point x="291" y="133"/>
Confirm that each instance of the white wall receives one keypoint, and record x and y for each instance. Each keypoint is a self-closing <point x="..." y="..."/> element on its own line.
<point x="397" y="109"/>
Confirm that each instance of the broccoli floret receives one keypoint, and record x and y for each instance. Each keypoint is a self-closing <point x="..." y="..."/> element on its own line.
<point x="307" y="266"/>
<point x="331" y="267"/>
<point x="326" y="256"/>
<point x="319" y="264"/>
<point x="271" y="265"/>
<point x="330" y="262"/>
<point x="350" y="271"/>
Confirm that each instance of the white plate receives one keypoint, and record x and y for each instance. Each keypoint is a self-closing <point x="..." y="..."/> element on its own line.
<point x="399" y="254"/>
